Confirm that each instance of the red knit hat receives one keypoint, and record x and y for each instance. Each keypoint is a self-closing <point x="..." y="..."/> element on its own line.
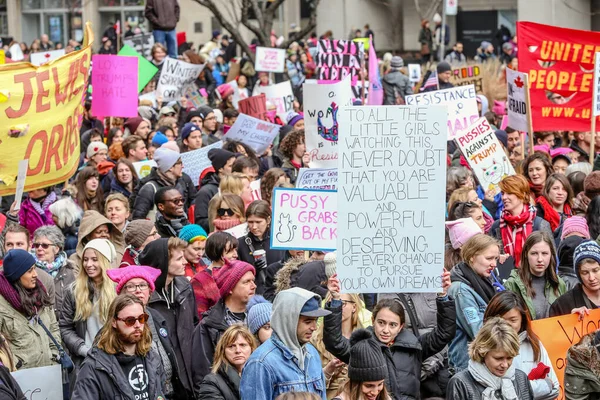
<point x="230" y="274"/>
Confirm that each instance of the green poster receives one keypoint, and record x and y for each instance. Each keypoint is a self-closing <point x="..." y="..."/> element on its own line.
<point x="146" y="70"/>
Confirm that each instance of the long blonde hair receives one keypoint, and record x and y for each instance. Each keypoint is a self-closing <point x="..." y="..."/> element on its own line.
<point x="229" y="337"/>
<point x="356" y="324"/>
<point x="84" y="290"/>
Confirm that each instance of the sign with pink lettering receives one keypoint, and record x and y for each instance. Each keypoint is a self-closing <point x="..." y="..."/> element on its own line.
<point x="282" y="97"/>
<point x="115" y="83"/>
<point x="270" y="59"/>
<point x="321" y="105"/>
<point x="254" y="132"/>
<point x="304" y="219"/>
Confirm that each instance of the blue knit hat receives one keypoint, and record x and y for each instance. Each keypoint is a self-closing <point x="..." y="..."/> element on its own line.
<point x="188" y="129"/>
<point x="586" y="250"/>
<point x="159" y="139"/>
<point x="259" y="313"/>
<point x="16" y="263"/>
<point x="192" y="232"/>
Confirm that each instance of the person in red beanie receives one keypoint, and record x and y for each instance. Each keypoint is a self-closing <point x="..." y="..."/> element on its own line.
<point x="235" y="281"/>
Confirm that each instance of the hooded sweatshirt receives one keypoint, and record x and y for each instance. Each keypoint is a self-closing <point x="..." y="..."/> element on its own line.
<point x="90" y="221"/>
<point x="284" y="319"/>
<point x="484" y="104"/>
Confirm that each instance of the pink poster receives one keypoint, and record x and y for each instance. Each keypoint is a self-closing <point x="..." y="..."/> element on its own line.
<point x="115" y="86"/>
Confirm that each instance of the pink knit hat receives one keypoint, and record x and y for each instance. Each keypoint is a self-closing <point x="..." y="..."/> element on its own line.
<point x="230" y="274"/>
<point x="577" y="225"/>
<point x="462" y="230"/>
<point x="123" y="275"/>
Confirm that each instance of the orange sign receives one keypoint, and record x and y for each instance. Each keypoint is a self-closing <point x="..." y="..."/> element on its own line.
<point x="558" y="334"/>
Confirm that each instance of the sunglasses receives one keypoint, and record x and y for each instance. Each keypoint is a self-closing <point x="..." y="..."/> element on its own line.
<point x="225" y="211"/>
<point x="130" y="321"/>
<point x="44" y="246"/>
<point x="177" y="201"/>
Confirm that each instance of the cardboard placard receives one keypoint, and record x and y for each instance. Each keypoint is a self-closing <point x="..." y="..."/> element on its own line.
<point x="238" y="231"/>
<point x="321" y="106"/>
<point x="40" y="383"/>
<point x="234" y="71"/>
<point x="485" y="155"/>
<point x="45" y="57"/>
<point x="175" y="76"/>
<point x="317" y="178"/>
<point x="196" y="161"/>
<point x="461" y="102"/>
<point x="414" y="73"/>
<point x="143" y="168"/>
<point x="115" y="83"/>
<point x="337" y="59"/>
<point x="254" y="132"/>
<point x="255" y="187"/>
<point x="146" y="70"/>
<point x="141" y="43"/>
<point x="270" y="59"/>
<point x="558" y="334"/>
<point x="254" y="106"/>
<point x="21" y="177"/>
<point x="516" y="103"/>
<point x="282" y="97"/>
<point x="304" y="219"/>
<point x="468" y="75"/>
<point x="391" y="203"/>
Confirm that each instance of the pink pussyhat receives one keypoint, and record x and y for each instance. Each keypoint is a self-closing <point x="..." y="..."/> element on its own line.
<point x="462" y="230"/>
<point x="123" y="275"/>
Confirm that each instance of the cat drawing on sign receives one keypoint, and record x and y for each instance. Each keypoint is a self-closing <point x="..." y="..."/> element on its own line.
<point x="329" y="133"/>
<point x="493" y="174"/>
<point x="285" y="232"/>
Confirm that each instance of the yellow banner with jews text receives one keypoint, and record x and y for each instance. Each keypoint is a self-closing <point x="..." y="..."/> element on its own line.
<point x="41" y="109"/>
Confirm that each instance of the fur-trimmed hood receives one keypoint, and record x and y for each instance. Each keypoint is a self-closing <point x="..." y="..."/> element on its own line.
<point x="306" y="274"/>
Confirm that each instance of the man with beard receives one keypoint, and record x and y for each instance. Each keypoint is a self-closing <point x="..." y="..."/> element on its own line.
<point x="170" y="217"/>
<point x="121" y="362"/>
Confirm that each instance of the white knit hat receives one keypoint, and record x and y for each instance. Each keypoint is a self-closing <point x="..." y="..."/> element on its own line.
<point x="106" y="248"/>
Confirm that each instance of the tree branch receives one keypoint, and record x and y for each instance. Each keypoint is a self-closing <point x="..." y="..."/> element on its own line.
<point x="312" y="24"/>
<point x="246" y="22"/>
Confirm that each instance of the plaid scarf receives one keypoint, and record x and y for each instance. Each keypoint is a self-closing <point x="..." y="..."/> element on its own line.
<point x="515" y="229"/>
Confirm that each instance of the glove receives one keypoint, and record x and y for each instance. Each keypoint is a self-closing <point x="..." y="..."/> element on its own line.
<point x="261" y="263"/>
<point x="539" y="372"/>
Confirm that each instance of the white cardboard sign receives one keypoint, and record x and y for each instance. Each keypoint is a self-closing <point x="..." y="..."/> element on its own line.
<point x="45" y="57"/>
<point x="391" y="199"/>
<point x="317" y="178"/>
<point x="175" y="76"/>
<point x="196" y="161"/>
<point x="516" y="104"/>
<point x="254" y="132"/>
<point x="270" y="59"/>
<point x="40" y="383"/>
<point x="282" y="97"/>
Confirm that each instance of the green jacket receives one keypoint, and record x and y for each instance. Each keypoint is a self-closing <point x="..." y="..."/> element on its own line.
<point x="582" y="373"/>
<point x="515" y="284"/>
<point x="29" y="343"/>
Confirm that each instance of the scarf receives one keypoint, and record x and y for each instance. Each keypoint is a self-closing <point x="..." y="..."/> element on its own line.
<point x="51" y="267"/>
<point x="493" y="383"/>
<point x="536" y="189"/>
<point x="482" y="286"/>
<point x="9" y="292"/>
<point x="550" y="214"/>
<point x="41" y="207"/>
<point x="224" y="224"/>
<point x="166" y="178"/>
<point x="515" y="229"/>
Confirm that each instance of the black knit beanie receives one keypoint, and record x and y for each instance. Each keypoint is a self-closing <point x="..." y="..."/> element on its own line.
<point x="367" y="363"/>
<point x="219" y="158"/>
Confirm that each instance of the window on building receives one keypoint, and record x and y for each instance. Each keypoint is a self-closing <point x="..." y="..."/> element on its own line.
<point x="3" y="19"/>
<point x="59" y="19"/>
<point x="129" y="12"/>
<point x="306" y="7"/>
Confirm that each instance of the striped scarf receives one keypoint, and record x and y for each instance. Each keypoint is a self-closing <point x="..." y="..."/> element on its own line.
<point x="515" y="229"/>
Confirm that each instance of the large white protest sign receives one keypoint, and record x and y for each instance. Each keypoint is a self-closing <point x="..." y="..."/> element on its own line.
<point x="254" y="132"/>
<point x="317" y="178"/>
<point x="485" y="155"/>
<point x="516" y="107"/>
<point x="40" y="383"/>
<point x="143" y="168"/>
<point x="304" y="219"/>
<point x="45" y="57"/>
<point x="175" y="76"/>
<point x="596" y="107"/>
<point x="196" y="161"/>
<point x="461" y="102"/>
<point x="270" y="59"/>
<point x="321" y="105"/>
<point x="391" y="199"/>
<point x="282" y="97"/>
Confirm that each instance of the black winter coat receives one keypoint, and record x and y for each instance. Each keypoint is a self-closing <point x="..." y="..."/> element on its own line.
<point x="208" y="189"/>
<point x="405" y="356"/>
<point x="186" y="315"/>
<point x="9" y="388"/>
<point x="224" y="385"/>
<point x="574" y="298"/>
<point x="72" y="332"/>
<point x="206" y="335"/>
<point x="463" y="386"/>
<point x="101" y="377"/>
<point x="142" y="200"/>
<point x="247" y="244"/>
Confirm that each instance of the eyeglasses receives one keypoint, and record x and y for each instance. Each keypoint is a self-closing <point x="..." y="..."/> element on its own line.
<point x="130" y="321"/>
<point x="177" y="201"/>
<point x="134" y="288"/>
<point x="153" y="234"/>
<point x="44" y="246"/>
<point x="223" y="211"/>
<point x="346" y="302"/>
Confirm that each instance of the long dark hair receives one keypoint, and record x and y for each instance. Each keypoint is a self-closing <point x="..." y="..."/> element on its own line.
<point x="505" y="301"/>
<point x="32" y="300"/>
<point x="129" y="164"/>
<point x="525" y="270"/>
<point x="593" y="217"/>
<point x="83" y="200"/>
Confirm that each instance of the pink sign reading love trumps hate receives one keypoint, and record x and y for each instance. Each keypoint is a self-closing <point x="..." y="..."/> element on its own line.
<point x="115" y="86"/>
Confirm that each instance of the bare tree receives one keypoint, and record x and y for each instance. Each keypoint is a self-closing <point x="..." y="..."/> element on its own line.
<point x="234" y="14"/>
